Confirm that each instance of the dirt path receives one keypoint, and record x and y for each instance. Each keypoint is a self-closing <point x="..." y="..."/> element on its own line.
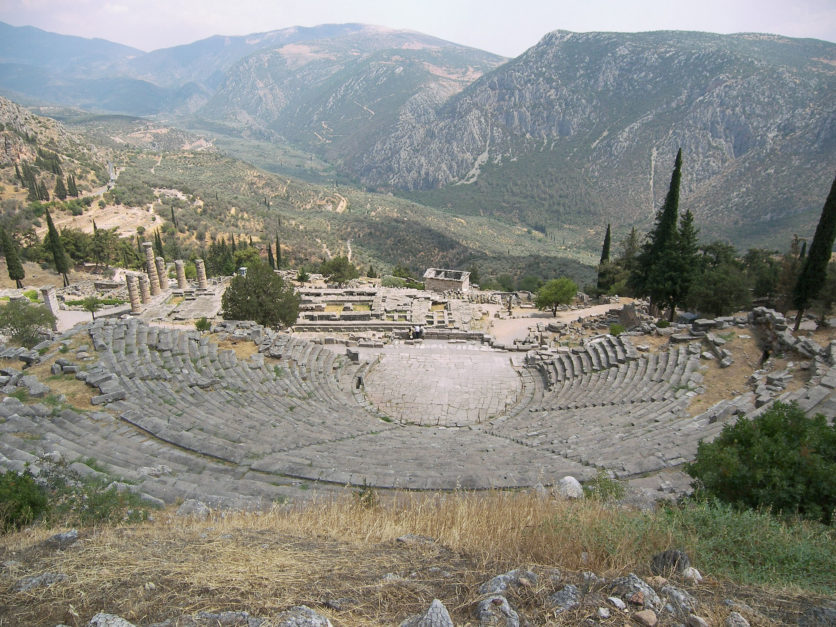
<point x="506" y="331"/>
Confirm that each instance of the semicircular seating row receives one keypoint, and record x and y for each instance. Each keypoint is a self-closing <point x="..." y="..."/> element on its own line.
<point x="190" y="419"/>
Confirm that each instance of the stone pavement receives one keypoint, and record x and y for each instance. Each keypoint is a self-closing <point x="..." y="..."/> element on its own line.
<point x="442" y="384"/>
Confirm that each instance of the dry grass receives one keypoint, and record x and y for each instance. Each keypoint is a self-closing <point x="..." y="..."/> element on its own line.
<point x="244" y="348"/>
<point x="725" y="383"/>
<point x="337" y="549"/>
<point x="77" y="392"/>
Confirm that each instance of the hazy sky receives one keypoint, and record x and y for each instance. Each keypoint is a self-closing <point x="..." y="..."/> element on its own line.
<point x="505" y="27"/>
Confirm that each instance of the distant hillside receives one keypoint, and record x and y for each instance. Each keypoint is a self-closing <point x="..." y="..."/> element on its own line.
<point x="339" y="97"/>
<point x="26" y="45"/>
<point x="579" y="131"/>
<point x="23" y="134"/>
<point x="583" y="128"/>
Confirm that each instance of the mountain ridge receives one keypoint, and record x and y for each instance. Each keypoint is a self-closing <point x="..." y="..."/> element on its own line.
<point x="580" y="129"/>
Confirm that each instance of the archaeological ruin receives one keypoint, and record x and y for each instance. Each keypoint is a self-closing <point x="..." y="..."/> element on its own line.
<point x="246" y="415"/>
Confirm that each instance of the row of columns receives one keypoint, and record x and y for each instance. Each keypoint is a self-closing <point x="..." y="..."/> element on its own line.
<point x="143" y="287"/>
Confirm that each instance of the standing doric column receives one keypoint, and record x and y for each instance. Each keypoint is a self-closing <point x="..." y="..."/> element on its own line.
<point x="202" y="283"/>
<point x="144" y="289"/>
<point x="180" y="268"/>
<point x="162" y="274"/>
<point x="133" y="293"/>
<point x="153" y="277"/>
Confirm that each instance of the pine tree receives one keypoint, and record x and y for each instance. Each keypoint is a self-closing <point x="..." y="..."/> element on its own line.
<point x="60" y="191"/>
<point x="13" y="264"/>
<point x="278" y="253"/>
<point x="814" y="271"/>
<point x="270" y="259"/>
<point x="54" y="244"/>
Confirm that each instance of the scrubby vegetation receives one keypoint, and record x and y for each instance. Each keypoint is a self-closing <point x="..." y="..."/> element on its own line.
<point x="24" y="323"/>
<point x="781" y="460"/>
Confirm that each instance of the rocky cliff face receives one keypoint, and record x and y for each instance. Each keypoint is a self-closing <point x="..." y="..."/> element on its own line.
<point x="22" y="133"/>
<point x="341" y="96"/>
<point x="752" y="113"/>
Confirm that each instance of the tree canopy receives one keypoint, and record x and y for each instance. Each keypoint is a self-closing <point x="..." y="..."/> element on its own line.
<point x="13" y="264"/>
<point x="261" y="296"/>
<point x="339" y="270"/>
<point x="25" y="323"/>
<point x="781" y="459"/>
<point x="56" y="247"/>
<point x="556" y="292"/>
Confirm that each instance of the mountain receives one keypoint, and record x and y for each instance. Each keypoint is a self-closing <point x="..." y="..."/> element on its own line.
<point x="339" y="96"/>
<point x="30" y="46"/>
<point x="26" y="138"/>
<point x="579" y="131"/>
<point x="584" y="128"/>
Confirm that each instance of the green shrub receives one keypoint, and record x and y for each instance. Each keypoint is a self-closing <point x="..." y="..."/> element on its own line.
<point x="617" y="329"/>
<point x="21" y="500"/>
<point x="781" y="460"/>
<point x="603" y="487"/>
<point x="24" y="322"/>
<point x="202" y="324"/>
<point x="662" y="324"/>
<point x="392" y="281"/>
<point x="31" y="295"/>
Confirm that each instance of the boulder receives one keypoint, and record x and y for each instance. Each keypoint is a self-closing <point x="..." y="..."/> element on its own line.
<point x="568" y="488"/>
<point x="435" y="616"/>
<point x="301" y="616"/>
<point x="108" y="620"/>
<point x="514" y="578"/>
<point x="495" y="611"/>
<point x="668" y="562"/>
<point x="195" y="508"/>
<point x="567" y="598"/>
<point x="635" y="591"/>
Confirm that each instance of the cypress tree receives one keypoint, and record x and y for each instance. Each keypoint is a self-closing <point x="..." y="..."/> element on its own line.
<point x="13" y="264"/>
<point x="278" y="253"/>
<point x="72" y="188"/>
<point x="17" y="174"/>
<point x="685" y="261"/>
<point x="803" y="252"/>
<point x="605" y="260"/>
<point x="54" y="244"/>
<point x="60" y="191"/>
<point x="42" y="193"/>
<point x="655" y="275"/>
<point x="158" y="244"/>
<point x="270" y="259"/>
<point x="605" y="250"/>
<point x="814" y="270"/>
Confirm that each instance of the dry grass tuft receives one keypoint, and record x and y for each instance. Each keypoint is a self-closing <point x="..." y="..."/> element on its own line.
<point x="341" y="558"/>
<point x="244" y="348"/>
